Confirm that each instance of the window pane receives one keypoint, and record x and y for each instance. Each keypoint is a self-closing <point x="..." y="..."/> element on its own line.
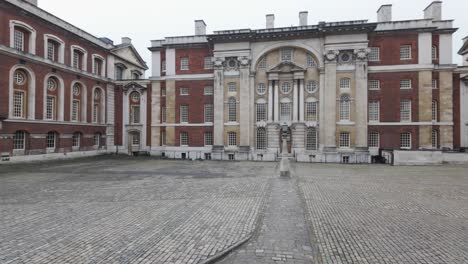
<point x="19" y="40"/>
<point x="374" y="111"/>
<point x="232" y="110"/>
<point x="405" y="52"/>
<point x="184" y="115"/>
<point x="285" y="112"/>
<point x="405" y="111"/>
<point x="374" y="85"/>
<point x="261" y="112"/>
<point x="208" y="113"/>
<point x="261" y="138"/>
<point x="311" y="111"/>
<point x="18" y="104"/>
<point x="311" y="141"/>
<point x="374" y="54"/>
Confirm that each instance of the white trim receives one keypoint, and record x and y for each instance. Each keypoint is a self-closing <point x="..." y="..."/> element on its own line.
<point x="31" y="93"/>
<point x="103" y="105"/>
<point x="53" y="122"/>
<point x="84" y="63"/>
<point x="410" y="123"/>
<point x="83" y="102"/>
<point x="32" y="35"/>
<point x="103" y="65"/>
<point x="61" y="48"/>
<point x="60" y="98"/>
<point x="209" y="76"/>
<point x="399" y="68"/>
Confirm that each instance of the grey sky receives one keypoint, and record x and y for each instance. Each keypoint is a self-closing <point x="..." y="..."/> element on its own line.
<point x="145" y="20"/>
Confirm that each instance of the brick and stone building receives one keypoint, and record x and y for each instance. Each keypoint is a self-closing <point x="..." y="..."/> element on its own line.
<point x="332" y="92"/>
<point x="461" y="79"/>
<point x="63" y="90"/>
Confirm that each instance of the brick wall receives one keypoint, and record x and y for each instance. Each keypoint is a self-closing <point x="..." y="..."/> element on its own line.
<point x="195" y="100"/>
<point x="390" y="135"/>
<point x="196" y="135"/>
<point x="389" y="44"/>
<point x="196" y="60"/>
<point x="456" y="111"/>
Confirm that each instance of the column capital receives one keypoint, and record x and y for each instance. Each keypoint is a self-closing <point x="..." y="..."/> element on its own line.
<point x="244" y="61"/>
<point x="361" y="54"/>
<point x="331" y="56"/>
<point x="218" y="63"/>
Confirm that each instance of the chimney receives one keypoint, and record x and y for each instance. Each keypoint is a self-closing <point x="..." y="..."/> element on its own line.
<point x="126" y="40"/>
<point x="303" y="18"/>
<point x="32" y="2"/>
<point x="270" y="21"/>
<point x="434" y="11"/>
<point x="200" y="28"/>
<point x="384" y="14"/>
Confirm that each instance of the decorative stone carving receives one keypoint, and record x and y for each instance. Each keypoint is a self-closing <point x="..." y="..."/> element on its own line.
<point x="244" y="61"/>
<point x="218" y="63"/>
<point x="262" y="124"/>
<point x="231" y="64"/>
<point x="361" y="54"/>
<point x="331" y="55"/>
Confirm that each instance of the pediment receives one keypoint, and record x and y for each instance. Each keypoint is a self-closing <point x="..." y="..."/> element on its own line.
<point x="133" y="86"/>
<point x="287" y="67"/>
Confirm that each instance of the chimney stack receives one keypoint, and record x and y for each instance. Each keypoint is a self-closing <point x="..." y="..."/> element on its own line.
<point x="384" y="14"/>
<point x="200" y="28"/>
<point x="270" y="21"/>
<point x="434" y="11"/>
<point x="32" y="2"/>
<point x="126" y="40"/>
<point x="303" y="16"/>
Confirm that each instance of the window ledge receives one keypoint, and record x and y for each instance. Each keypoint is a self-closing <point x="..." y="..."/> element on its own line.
<point x="346" y="123"/>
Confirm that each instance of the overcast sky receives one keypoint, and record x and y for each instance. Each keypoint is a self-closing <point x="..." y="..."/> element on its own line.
<point x="145" y="20"/>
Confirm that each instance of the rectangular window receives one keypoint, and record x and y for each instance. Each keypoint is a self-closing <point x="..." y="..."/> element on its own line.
<point x="434" y="52"/>
<point x="405" y="141"/>
<point x="135" y="114"/>
<point x="374" y="140"/>
<point x="344" y="140"/>
<point x="184" y="114"/>
<point x="435" y="139"/>
<point x="184" y="139"/>
<point x="208" y="63"/>
<point x="285" y="112"/>
<point x="286" y="54"/>
<point x="50" y="50"/>
<point x="136" y="139"/>
<point x="96" y="67"/>
<point x="208" y="113"/>
<point x="405" y="52"/>
<point x="19" y="140"/>
<point x="75" y="110"/>
<point x="76" y="60"/>
<point x="76" y="140"/>
<point x="374" y="111"/>
<point x="163" y="114"/>
<point x="208" y="139"/>
<point x="19" y="40"/>
<point x="311" y="111"/>
<point x="345" y="83"/>
<point x="261" y="112"/>
<point x="163" y="138"/>
<point x="435" y="84"/>
<point x="50" y="140"/>
<point x="374" y="84"/>
<point x="163" y="66"/>
<point x="18" y="104"/>
<point x="435" y="111"/>
<point x="208" y="90"/>
<point x="163" y="92"/>
<point x="232" y="87"/>
<point x="184" y="64"/>
<point x="50" y="108"/>
<point x="405" y="111"/>
<point x="405" y="84"/>
<point x="184" y="91"/>
<point x="95" y="113"/>
<point x="374" y="54"/>
<point x="97" y="139"/>
<point x="232" y="139"/>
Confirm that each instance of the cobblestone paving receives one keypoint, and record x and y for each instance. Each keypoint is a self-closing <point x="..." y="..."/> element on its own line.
<point x="283" y="237"/>
<point x="127" y="211"/>
<point x="380" y="214"/>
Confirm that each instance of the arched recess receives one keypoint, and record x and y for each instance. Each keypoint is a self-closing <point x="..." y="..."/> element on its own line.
<point x="282" y="44"/>
<point x="31" y="98"/>
<point x="101" y="106"/>
<point x="83" y="101"/>
<point x="32" y="35"/>
<point x="60" y="99"/>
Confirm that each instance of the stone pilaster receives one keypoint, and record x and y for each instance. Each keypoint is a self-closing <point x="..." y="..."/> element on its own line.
<point x="446" y="109"/>
<point x="328" y="106"/>
<point x="270" y="101"/>
<point x="425" y="109"/>
<point x="361" y="101"/>
<point x="110" y="116"/>
<point x="244" y="105"/>
<point x="156" y="114"/>
<point x="170" y="112"/>
<point x="295" y="101"/>
<point x="218" y="135"/>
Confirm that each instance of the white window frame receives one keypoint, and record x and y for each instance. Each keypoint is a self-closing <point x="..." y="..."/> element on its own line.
<point x="232" y="110"/>
<point x="19" y="40"/>
<point x="435" y="111"/>
<point x="374" y="111"/>
<point x="374" y="54"/>
<point x="345" y="107"/>
<point x="136" y="114"/>
<point x="311" y="139"/>
<point x="232" y="87"/>
<point x="374" y="84"/>
<point x="311" y="110"/>
<point x="208" y="113"/>
<point x="435" y="84"/>
<point x="184" y="91"/>
<point x="208" y="63"/>
<point x="405" y="110"/>
<point x="286" y="87"/>
<point x="345" y="140"/>
<point x="311" y="63"/>
<point x="261" y="139"/>
<point x="184" y="64"/>
<point x="97" y="139"/>
<point x="232" y="139"/>
<point x="405" y="140"/>
<point x="373" y="139"/>
<point x="406" y="84"/>
<point x="311" y="86"/>
<point x="184" y="114"/>
<point x="51" y="103"/>
<point x="51" y="140"/>
<point x="163" y="114"/>
<point x="19" y="104"/>
<point x="435" y="139"/>
<point x="84" y="60"/>
<point x="262" y="63"/>
<point x="76" y="140"/>
<point x="208" y="90"/>
<point x="75" y="115"/>
<point x="261" y="112"/>
<point x="286" y="54"/>
<point x="405" y="52"/>
<point x="32" y="36"/>
<point x="345" y="83"/>
<point x="208" y="138"/>
<point x="19" y="140"/>
<point x="261" y="88"/>
<point x="102" y="71"/>
<point x="435" y="52"/>
<point x="61" y="47"/>
<point x="184" y="139"/>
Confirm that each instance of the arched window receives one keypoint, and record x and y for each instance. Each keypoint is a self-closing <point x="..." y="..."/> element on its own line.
<point x="98" y="110"/>
<point x="435" y="139"/>
<point x="76" y="140"/>
<point x="54" y="48"/>
<point x="19" y="140"/>
<point x="52" y="96"/>
<point x="263" y="63"/>
<point x="311" y="61"/>
<point x="98" y="65"/>
<point x="435" y="111"/>
<point x="51" y="140"/>
<point x="20" y="94"/>
<point x="79" y="58"/>
<point x="405" y="140"/>
<point x="232" y="110"/>
<point x="78" y="106"/>
<point x="261" y="138"/>
<point x="311" y="139"/>
<point x="345" y="107"/>
<point x="345" y="83"/>
<point x="134" y="107"/>
<point x="22" y="37"/>
<point x="311" y="109"/>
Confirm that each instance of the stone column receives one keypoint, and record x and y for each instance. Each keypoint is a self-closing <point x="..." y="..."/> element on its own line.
<point x="446" y="109"/>
<point x="301" y="100"/>
<point x="425" y="109"/>
<point x="276" y="101"/>
<point x="361" y="99"/>
<point x="244" y="104"/>
<point x="295" y="101"/>
<point x="218" y="135"/>
<point x="270" y="101"/>
<point x="156" y="114"/>
<point x="328" y="105"/>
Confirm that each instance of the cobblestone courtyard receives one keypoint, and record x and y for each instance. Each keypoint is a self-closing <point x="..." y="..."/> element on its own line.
<point x="124" y="210"/>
